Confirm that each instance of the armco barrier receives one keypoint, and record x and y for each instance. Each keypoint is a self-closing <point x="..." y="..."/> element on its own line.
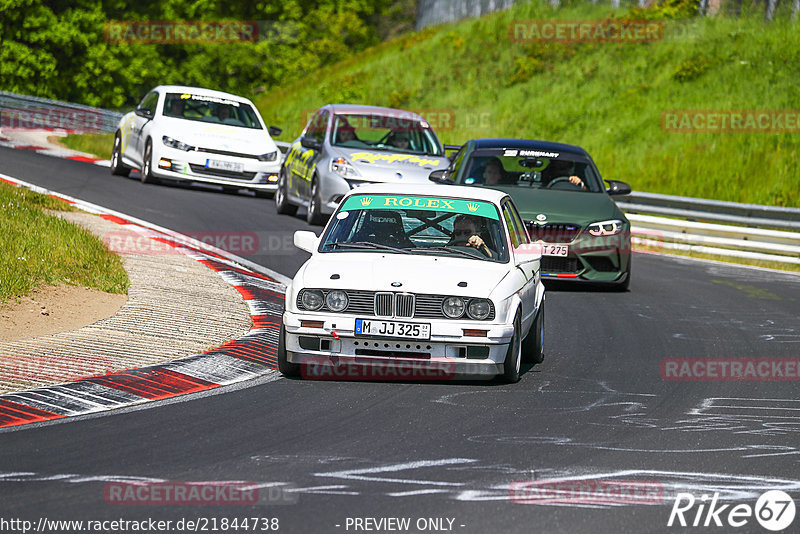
<point x="750" y="233"/>
<point x="30" y="112"/>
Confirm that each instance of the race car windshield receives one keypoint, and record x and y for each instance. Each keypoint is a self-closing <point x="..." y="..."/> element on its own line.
<point x="553" y="173"/>
<point x="211" y="110"/>
<point x="417" y="225"/>
<point x="404" y="134"/>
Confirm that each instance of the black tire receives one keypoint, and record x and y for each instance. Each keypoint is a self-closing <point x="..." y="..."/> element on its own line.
<point x="314" y="215"/>
<point x="282" y="205"/>
<point x="285" y="366"/>
<point x="147" y="165"/>
<point x="513" y="361"/>
<point x="117" y="167"/>
<point x="533" y="344"/>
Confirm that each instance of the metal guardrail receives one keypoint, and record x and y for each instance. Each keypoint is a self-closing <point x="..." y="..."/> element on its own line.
<point x="750" y="235"/>
<point x="30" y="112"/>
<point x="700" y="209"/>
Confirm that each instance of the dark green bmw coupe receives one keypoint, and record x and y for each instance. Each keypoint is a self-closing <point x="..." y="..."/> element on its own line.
<point x="564" y="201"/>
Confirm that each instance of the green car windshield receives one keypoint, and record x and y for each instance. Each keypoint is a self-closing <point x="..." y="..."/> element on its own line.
<point x="562" y="174"/>
<point x="417" y="225"/>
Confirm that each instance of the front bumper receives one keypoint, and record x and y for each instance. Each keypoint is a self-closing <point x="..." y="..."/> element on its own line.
<point x="173" y="164"/>
<point x="603" y="260"/>
<point x="447" y="355"/>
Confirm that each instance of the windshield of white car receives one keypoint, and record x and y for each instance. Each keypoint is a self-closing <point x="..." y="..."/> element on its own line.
<point x="211" y="110"/>
<point x="551" y="173"/>
<point x="417" y="231"/>
<point x="405" y="135"/>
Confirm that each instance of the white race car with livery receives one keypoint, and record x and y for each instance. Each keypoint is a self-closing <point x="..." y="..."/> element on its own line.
<point x="412" y="281"/>
<point x="198" y="135"/>
<point x="345" y="146"/>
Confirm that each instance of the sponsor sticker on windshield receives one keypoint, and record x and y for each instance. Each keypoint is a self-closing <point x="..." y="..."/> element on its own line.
<point x="372" y="157"/>
<point x="382" y="202"/>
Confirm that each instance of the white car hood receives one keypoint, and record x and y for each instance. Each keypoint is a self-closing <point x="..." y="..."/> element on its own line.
<point x="219" y="136"/>
<point x="375" y="271"/>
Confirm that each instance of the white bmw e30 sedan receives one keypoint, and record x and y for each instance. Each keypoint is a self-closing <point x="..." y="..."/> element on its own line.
<point x="198" y="135"/>
<point x="415" y="282"/>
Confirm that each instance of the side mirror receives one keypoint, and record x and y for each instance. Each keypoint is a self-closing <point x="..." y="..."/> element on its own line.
<point x="274" y="131"/>
<point x="146" y="113"/>
<point x="441" y="176"/>
<point x="311" y="143"/>
<point x="305" y="240"/>
<point x="615" y="187"/>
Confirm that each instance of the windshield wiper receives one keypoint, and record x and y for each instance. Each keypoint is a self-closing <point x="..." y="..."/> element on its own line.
<point x="455" y="250"/>
<point x="368" y="244"/>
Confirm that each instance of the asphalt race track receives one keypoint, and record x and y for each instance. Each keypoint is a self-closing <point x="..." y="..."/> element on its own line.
<point x="597" y="408"/>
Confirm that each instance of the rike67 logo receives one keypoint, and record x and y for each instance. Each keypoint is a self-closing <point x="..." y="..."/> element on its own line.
<point x="774" y="510"/>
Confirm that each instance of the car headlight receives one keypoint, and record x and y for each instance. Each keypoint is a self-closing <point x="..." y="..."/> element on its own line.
<point x="479" y="309"/>
<point x="605" y="228"/>
<point x="312" y="299"/>
<point x="453" y="307"/>
<point x="269" y="156"/>
<point x="336" y="300"/>
<point x="174" y="143"/>
<point x="343" y="168"/>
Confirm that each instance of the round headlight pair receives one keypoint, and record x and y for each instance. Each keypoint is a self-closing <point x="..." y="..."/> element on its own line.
<point x="313" y="299"/>
<point x="478" y="309"/>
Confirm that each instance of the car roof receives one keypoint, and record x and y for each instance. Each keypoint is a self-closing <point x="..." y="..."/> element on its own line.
<point x="360" y="109"/>
<point x="432" y="189"/>
<point x="528" y="144"/>
<point x="200" y="91"/>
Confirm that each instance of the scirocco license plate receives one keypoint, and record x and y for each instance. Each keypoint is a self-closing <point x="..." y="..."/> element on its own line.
<point x="371" y="327"/>
<point x="231" y="166"/>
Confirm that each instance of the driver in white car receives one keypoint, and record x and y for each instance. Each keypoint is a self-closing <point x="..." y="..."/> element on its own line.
<point x="466" y="232"/>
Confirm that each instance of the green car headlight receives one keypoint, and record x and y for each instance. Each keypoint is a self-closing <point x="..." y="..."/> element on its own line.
<point x="604" y="228"/>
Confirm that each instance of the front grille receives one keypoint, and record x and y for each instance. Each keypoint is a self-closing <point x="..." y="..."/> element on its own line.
<point x="553" y="232"/>
<point x="383" y="304"/>
<point x="398" y="305"/>
<point x="200" y="169"/>
<point x="227" y="153"/>
<point x="404" y="305"/>
<point x="557" y="264"/>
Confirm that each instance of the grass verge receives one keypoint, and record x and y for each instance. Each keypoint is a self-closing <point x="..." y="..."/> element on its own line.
<point x="41" y="249"/>
<point x="98" y="144"/>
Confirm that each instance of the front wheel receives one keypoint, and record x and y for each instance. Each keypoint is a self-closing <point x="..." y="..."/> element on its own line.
<point x="314" y="215"/>
<point x="147" y="165"/>
<point x="533" y="345"/>
<point x="513" y="361"/>
<point x="282" y="205"/>
<point x="117" y="167"/>
<point x="286" y="367"/>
